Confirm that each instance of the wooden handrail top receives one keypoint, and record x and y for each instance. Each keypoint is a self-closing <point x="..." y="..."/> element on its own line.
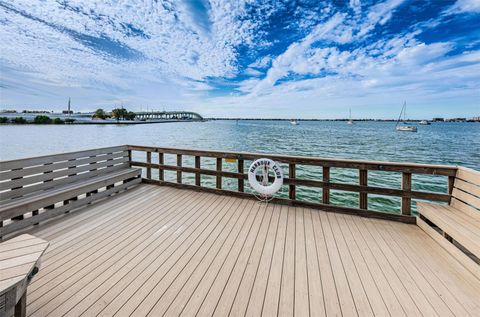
<point x="445" y="170"/>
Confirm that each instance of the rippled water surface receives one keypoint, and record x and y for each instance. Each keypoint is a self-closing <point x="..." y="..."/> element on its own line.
<point x="439" y="143"/>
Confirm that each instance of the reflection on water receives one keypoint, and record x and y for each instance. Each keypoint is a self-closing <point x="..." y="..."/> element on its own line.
<point x="439" y="143"/>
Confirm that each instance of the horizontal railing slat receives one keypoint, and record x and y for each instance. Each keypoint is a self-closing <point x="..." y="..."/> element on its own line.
<point x="308" y="183"/>
<point x="444" y="170"/>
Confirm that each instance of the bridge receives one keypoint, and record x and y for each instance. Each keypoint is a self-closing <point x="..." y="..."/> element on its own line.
<point x="168" y="115"/>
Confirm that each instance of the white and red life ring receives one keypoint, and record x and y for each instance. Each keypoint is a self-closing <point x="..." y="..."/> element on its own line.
<point x="264" y="165"/>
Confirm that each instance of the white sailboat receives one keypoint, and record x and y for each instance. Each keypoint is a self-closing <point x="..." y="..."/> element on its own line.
<point x="404" y="127"/>
<point x="350" y="121"/>
<point x="294" y="122"/>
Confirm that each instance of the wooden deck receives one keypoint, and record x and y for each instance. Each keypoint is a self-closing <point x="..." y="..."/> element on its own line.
<point x="164" y="251"/>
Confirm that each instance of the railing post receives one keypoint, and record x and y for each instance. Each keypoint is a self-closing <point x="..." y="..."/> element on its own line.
<point x="291" y="176"/>
<point x="451" y="182"/>
<point x="219" y="169"/>
<point x="241" y="180"/>
<point x="197" y="174"/>
<point x="363" y="178"/>
<point x="129" y="158"/>
<point x="406" y="186"/>
<point x="149" y="168"/>
<point x="160" y="169"/>
<point x="179" y="164"/>
<point x="326" y="181"/>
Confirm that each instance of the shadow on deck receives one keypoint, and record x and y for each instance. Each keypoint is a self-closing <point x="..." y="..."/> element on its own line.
<point x="166" y="251"/>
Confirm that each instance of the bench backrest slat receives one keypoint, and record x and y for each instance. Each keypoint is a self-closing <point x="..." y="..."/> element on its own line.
<point x="52" y="175"/>
<point x="59" y="182"/>
<point x="24" y="172"/>
<point x="27" y="176"/>
<point x="49" y="159"/>
<point x="466" y="191"/>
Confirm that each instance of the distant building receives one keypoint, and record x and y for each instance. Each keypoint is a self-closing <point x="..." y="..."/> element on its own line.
<point x="67" y="111"/>
<point x="476" y="119"/>
<point x="438" y="119"/>
<point x="456" y="120"/>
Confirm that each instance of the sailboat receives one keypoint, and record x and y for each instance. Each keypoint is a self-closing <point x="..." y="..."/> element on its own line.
<point x="405" y="127"/>
<point x="294" y="122"/>
<point x="350" y="121"/>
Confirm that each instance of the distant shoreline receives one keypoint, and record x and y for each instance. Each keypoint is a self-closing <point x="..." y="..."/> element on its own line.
<point x="344" y="120"/>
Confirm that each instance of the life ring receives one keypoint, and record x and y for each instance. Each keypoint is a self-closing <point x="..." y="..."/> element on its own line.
<point x="261" y="187"/>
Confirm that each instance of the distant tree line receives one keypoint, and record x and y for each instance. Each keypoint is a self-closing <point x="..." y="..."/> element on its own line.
<point x="100" y="114"/>
<point x="36" y="120"/>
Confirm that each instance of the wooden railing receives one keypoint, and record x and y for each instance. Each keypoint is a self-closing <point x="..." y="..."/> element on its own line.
<point x="292" y="181"/>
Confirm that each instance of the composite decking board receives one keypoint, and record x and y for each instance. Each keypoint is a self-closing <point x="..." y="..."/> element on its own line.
<point x="410" y="285"/>
<point x="148" y="295"/>
<point x="431" y="287"/>
<point x="81" y="251"/>
<point x="362" y="304"/>
<point x="256" y="296"/>
<point x="330" y="293"/>
<point x="134" y="281"/>
<point x="224" y="304"/>
<point x="370" y="286"/>
<point x="173" y="298"/>
<point x="130" y="278"/>
<point x="391" y="290"/>
<point x="137" y="290"/>
<point x="272" y="291"/>
<point x="109" y="262"/>
<point x="215" y="277"/>
<point x="451" y="275"/>
<point x="244" y="290"/>
<point x="210" y="298"/>
<point x="445" y="284"/>
<point x="344" y="290"/>
<point x="226" y="255"/>
<point x="315" y="291"/>
<point x="301" y="298"/>
<point x="79" y="234"/>
<point x="286" y="305"/>
<point x="199" y="282"/>
<point x="61" y="226"/>
<point x="82" y="242"/>
<point x="89" y="293"/>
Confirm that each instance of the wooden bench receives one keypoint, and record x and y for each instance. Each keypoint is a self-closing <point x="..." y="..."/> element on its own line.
<point x="19" y="262"/>
<point x="36" y="189"/>
<point x="457" y="226"/>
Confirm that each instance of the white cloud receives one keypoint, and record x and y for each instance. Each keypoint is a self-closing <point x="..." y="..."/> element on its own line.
<point x="465" y="6"/>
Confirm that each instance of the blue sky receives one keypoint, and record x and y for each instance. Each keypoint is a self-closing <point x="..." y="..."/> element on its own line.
<point x="308" y="59"/>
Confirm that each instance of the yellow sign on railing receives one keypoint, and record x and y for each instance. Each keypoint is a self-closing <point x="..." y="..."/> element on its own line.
<point x="230" y="160"/>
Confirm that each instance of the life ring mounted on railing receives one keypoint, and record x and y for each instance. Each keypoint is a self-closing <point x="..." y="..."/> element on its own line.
<point x="261" y="168"/>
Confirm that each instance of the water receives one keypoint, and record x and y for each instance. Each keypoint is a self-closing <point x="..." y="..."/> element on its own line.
<point x="439" y="143"/>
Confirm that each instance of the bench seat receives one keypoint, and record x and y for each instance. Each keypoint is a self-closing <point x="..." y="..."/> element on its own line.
<point x="48" y="197"/>
<point x="462" y="227"/>
<point x="37" y="189"/>
<point x="456" y="226"/>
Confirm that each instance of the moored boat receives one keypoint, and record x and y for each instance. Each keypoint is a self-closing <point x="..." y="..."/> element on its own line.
<point x="405" y="127"/>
